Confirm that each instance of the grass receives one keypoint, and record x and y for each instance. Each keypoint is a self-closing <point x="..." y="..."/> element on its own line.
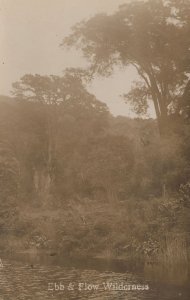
<point x="175" y="250"/>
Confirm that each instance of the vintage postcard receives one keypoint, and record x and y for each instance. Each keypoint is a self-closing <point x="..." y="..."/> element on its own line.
<point x="94" y="149"/>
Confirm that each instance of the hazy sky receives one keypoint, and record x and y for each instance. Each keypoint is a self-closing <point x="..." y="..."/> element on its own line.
<point x="30" y="34"/>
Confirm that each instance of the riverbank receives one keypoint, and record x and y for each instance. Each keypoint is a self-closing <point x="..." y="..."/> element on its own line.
<point x="133" y="230"/>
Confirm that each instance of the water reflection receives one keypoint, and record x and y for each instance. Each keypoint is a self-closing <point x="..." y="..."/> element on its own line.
<point x="28" y="279"/>
<point x="174" y="274"/>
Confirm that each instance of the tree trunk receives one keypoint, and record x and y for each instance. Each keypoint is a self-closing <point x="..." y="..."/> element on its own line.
<point x="42" y="183"/>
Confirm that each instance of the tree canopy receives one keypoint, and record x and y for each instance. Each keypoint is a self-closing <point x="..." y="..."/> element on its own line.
<point x="54" y="109"/>
<point x="152" y="36"/>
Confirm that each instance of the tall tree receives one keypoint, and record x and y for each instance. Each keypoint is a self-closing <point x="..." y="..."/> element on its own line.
<point x="152" y="36"/>
<point x="46" y="100"/>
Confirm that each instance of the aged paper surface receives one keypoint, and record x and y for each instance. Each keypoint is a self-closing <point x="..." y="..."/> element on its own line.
<point x="94" y="149"/>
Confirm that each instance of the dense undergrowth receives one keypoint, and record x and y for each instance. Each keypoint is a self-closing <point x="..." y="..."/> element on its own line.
<point x="113" y="188"/>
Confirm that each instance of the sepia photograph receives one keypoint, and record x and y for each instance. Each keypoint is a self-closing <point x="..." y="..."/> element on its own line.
<point x="94" y="149"/>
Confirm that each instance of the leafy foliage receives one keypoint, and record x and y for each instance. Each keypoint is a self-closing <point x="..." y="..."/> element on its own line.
<point x="138" y="97"/>
<point x="153" y="37"/>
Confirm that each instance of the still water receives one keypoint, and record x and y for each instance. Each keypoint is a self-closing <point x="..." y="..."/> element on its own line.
<point x="27" y="277"/>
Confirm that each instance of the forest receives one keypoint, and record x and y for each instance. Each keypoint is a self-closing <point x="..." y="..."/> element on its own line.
<point x="77" y="180"/>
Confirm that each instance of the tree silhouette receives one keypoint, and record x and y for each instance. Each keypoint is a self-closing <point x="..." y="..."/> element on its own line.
<point x="153" y="37"/>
